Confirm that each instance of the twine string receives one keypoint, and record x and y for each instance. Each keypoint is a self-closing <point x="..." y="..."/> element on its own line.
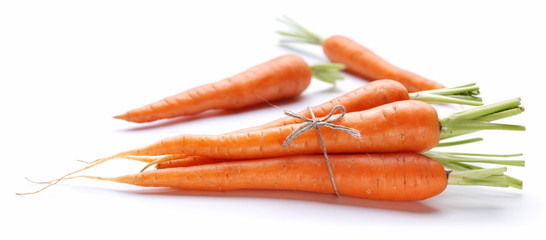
<point x="316" y="123"/>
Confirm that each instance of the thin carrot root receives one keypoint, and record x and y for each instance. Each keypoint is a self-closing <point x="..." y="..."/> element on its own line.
<point x="90" y="165"/>
<point x="40" y="182"/>
<point x="112" y="179"/>
<point x="163" y="159"/>
<point x="103" y="159"/>
<point x="127" y="155"/>
<point x="86" y="162"/>
<point x="153" y="160"/>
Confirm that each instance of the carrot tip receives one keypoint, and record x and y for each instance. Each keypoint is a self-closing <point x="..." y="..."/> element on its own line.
<point x="121" y="116"/>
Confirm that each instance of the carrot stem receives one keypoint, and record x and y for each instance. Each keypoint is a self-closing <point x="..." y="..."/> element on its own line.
<point x="490" y="118"/>
<point x="465" y="94"/>
<point x="479" y="118"/>
<point x="483" y="111"/>
<point x="470" y="89"/>
<point x="493" y="177"/>
<point x="459" y="166"/>
<point x="459" y="162"/>
<point x="460" y="142"/>
<point x="501" y="115"/>
<point x="475" y="158"/>
<point x="328" y="72"/>
<point x="485" y="155"/>
<point x="298" y="33"/>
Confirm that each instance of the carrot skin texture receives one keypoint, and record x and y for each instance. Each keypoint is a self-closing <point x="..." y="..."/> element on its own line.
<point x="364" y="63"/>
<point x="366" y="97"/>
<point x="280" y="78"/>
<point x="403" y="126"/>
<point x="388" y="176"/>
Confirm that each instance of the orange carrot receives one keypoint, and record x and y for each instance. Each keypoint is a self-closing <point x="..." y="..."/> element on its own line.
<point x="394" y="176"/>
<point x="188" y="161"/>
<point x="403" y="126"/>
<point x="368" y="96"/>
<point x="377" y="93"/>
<point x="385" y="176"/>
<point x="409" y="125"/>
<point x="280" y="78"/>
<point x="392" y="127"/>
<point x="358" y="59"/>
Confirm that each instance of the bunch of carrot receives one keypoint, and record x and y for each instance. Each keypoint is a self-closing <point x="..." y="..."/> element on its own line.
<point x="387" y="156"/>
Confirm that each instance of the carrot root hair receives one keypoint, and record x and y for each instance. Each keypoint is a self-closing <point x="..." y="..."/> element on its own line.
<point x="91" y="164"/>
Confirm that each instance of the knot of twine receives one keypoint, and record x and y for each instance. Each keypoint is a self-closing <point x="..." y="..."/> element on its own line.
<point x="316" y="123"/>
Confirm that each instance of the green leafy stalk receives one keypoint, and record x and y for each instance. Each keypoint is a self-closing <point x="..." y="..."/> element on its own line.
<point x="460" y="142"/>
<point x="298" y="33"/>
<point x="512" y="181"/>
<point x="493" y="177"/>
<point x="501" y="115"/>
<point x="328" y="72"/>
<point x="459" y="165"/>
<point x="451" y="157"/>
<point x="465" y="94"/>
<point x="486" y="110"/>
<point x="479" y="118"/>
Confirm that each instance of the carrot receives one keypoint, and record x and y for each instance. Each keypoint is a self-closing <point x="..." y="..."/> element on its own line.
<point x="451" y="160"/>
<point x="399" y="126"/>
<point x="392" y="127"/>
<point x="445" y="158"/>
<point x="403" y="126"/>
<point x="280" y="78"/>
<point x="180" y="160"/>
<point x="409" y="125"/>
<point x="358" y="59"/>
<point x="377" y="93"/>
<point x="385" y="176"/>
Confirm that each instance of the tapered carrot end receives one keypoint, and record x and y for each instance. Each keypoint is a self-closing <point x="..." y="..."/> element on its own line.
<point x="130" y="117"/>
<point x="121" y="116"/>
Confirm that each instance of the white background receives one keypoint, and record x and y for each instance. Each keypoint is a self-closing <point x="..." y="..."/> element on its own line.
<point x="67" y="67"/>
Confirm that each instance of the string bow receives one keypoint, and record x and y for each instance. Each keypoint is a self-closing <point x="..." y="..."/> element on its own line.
<point x="316" y="123"/>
